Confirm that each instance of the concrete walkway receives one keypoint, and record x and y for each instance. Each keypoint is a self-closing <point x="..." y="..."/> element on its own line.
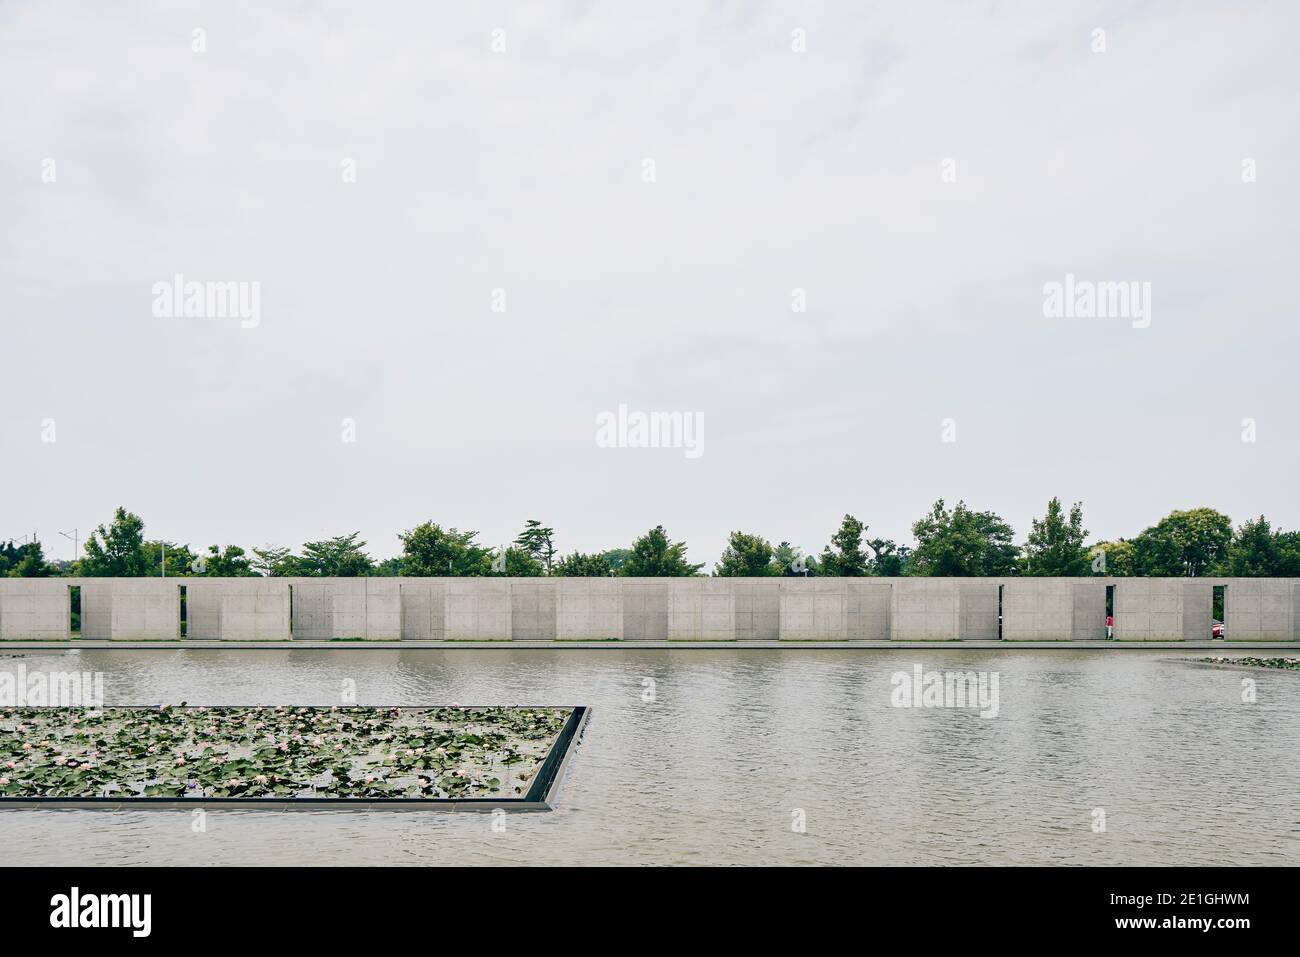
<point x="1221" y="648"/>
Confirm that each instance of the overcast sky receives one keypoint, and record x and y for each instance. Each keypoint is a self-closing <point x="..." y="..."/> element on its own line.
<point x="129" y="158"/>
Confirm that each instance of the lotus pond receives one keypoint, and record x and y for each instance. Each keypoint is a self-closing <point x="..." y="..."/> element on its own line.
<point x="284" y="752"/>
<point x="1283" y="664"/>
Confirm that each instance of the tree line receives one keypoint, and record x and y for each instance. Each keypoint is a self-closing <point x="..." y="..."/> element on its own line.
<point x="956" y="541"/>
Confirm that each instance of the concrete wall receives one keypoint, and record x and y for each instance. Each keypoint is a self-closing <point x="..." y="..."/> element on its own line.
<point x="1198" y="609"/>
<point x="237" y="609"/>
<point x="1041" y="609"/>
<point x="533" y="610"/>
<point x="1262" y="609"/>
<point x="926" y="609"/>
<point x="758" y="609"/>
<point x="813" y="609"/>
<point x="868" y="608"/>
<point x="97" y="608"/>
<point x="645" y="609"/>
<point x="1150" y="609"/>
<point x="701" y="609"/>
<point x="478" y="609"/>
<point x="424" y="608"/>
<point x="682" y="609"/>
<point x="589" y="609"/>
<point x="37" y="608"/>
<point x="979" y="605"/>
<point x="1089" y="609"/>
<point x="145" y="609"/>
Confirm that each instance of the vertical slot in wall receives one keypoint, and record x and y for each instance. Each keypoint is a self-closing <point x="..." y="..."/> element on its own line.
<point x="1219" y="612"/>
<point x="74" y="611"/>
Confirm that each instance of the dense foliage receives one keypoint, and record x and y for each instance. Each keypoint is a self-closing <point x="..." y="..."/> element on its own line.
<point x="956" y="541"/>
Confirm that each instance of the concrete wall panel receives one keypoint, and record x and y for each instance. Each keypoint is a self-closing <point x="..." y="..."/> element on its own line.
<point x="925" y="609"/>
<point x="589" y="609"/>
<point x="1198" y="610"/>
<point x="1260" y="609"/>
<point x="979" y="610"/>
<point x="313" y="615"/>
<point x="383" y="609"/>
<point x="347" y="602"/>
<point x="701" y="609"/>
<point x="146" y="609"/>
<point x="424" y="608"/>
<point x="1149" y="609"/>
<point x="1040" y="609"/>
<point x="97" y="608"/>
<point x="1089" y="610"/>
<point x="533" y="609"/>
<point x="203" y="609"/>
<point x="35" y="608"/>
<point x="814" y="609"/>
<point x="868" y="608"/>
<point x="758" y="608"/>
<point x="645" y="609"/>
<point x="478" y="609"/>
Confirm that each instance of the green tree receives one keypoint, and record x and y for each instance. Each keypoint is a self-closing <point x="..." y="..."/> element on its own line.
<point x="746" y="556"/>
<point x="1288" y="555"/>
<point x="274" y="562"/>
<point x="341" y="557"/>
<point x="615" y="557"/>
<point x="179" y="559"/>
<point x="1183" y="544"/>
<point x="539" y="542"/>
<point x="230" y="562"/>
<point x="844" y="556"/>
<point x="1256" y="550"/>
<point x="654" y="556"/>
<point x="118" y="550"/>
<point x="1112" y="559"/>
<point x="962" y="543"/>
<point x="888" y="558"/>
<point x="518" y="564"/>
<point x="1056" y="543"/>
<point x="579" y="565"/>
<point x="429" y="550"/>
<point x="32" y="564"/>
<point x="788" y="560"/>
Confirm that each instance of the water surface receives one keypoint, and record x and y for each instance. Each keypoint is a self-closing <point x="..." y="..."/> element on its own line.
<point x="737" y="745"/>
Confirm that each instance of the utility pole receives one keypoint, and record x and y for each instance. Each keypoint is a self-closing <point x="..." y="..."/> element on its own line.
<point x="76" y="543"/>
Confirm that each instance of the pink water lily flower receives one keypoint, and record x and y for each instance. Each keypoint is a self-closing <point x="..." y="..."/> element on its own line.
<point x="3" y="782"/>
